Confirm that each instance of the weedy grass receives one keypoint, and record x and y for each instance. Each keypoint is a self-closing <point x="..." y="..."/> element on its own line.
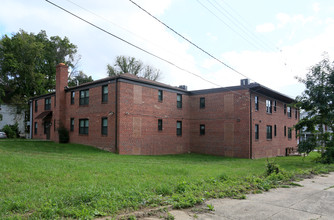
<point x="40" y="179"/>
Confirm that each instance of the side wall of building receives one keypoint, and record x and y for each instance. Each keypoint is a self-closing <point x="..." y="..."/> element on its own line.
<point x="277" y="144"/>
<point x="139" y="112"/>
<point x="226" y="121"/>
<point x="43" y="123"/>
<point x="94" y="111"/>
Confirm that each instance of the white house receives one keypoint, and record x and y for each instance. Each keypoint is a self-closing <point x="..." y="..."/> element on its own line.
<point x="10" y="114"/>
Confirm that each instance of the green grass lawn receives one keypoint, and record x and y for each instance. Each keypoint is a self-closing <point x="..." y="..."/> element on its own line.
<point x="48" y="180"/>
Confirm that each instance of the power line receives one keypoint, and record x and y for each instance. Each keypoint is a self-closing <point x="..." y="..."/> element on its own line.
<point x="239" y="25"/>
<point x="150" y="53"/>
<point x="131" y="44"/>
<point x="186" y="39"/>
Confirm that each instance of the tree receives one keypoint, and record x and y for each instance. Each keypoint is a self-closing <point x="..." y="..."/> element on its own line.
<point x="79" y="79"/>
<point x="317" y="100"/>
<point x="136" y="67"/>
<point x="28" y="64"/>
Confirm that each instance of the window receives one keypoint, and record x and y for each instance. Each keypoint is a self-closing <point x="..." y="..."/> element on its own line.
<point x="159" y="124"/>
<point x="72" y="97"/>
<point x="179" y="128"/>
<point x="202" y="129"/>
<point x="202" y="102"/>
<point x="72" y="124"/>
<point x="296" y="113"/>
<point x="105" y="94"/>
<point x="47" y="104"/>
<point x="289" y="111"/>
<point x="275" y="130"/>
<point x="104" y="126"/>
<point x="256" y="103"/>
<point x="284" y="131"/>
<point x="285" y="109"/>
<point x="36" y="105"/>
<point x="83" y="126"/>
<point x="160" y="95"/>
<point x="289" y="133"/>
<point x="84" y="97"/>
<point x="275" y="104"/>
<point x="256" y="132"/>
<point x="35" y="128"/>
<point x="179" y="101"/>
<point x="268" y="106"/>
<point x="269" y="132"/>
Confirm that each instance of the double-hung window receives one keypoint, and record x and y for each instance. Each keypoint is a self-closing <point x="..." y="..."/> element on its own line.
<point x="159" y="124"/>
<point x="202" y="102"/>
<point x="179" y="128"/>
<point x="84" y="97"/>
<point x="256" y="103"/>
<point x="72" y="124"/>
<point x="275" y="105"/>
<point x="289" y="111"/>
<point x="160" y="95"/>
<point x="269" y="132"/>
<point x="179" y="101"/>
<point x="289" y="133"/>
<point x="72" y="97"/>
<point x="256" y="132"/>
<point x="47" y="103"/>
<point x="104" y="126"/>
<point x="268" y="106"/>
<point x="105" y="94"/>
<point x="83" y="126"/>
<point x="35" y="128"/>
<point x="202" y="129"/>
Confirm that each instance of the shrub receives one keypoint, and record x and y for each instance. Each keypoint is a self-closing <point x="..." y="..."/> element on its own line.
<point x="63" y="133"/>
<point x="272" y="167"/>
<point x="12" y="131"/>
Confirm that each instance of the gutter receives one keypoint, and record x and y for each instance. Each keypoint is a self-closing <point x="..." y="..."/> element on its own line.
<point x="116" y="115"/>
<point x="250" y="125"/>
<point x="30" y="120"/>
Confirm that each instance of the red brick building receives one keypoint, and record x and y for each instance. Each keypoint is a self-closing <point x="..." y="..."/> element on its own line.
<point x="131" y="115"/>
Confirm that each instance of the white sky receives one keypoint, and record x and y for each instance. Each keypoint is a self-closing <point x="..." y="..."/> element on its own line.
<point x="269" y="41"/>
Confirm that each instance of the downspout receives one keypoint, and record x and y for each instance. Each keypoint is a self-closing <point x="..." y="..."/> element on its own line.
<point x="250" y="126"/>
<point x="116" y="114"/>
<point x="30" y="120"/>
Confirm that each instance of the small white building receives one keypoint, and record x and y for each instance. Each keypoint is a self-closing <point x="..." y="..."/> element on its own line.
<point x="10" y="114"/>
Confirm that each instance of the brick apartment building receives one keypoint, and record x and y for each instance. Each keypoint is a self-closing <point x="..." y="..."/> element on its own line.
<point x="131" y="115"/>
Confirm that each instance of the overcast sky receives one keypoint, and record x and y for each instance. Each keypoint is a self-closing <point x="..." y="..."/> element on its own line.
<point x="269" y="41"/>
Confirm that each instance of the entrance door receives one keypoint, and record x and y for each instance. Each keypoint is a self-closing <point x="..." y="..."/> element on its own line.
<point x="47" y="129"/>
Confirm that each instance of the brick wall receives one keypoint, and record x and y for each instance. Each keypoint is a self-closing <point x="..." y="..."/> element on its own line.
<point x="276" y="146"/>
<point x="139" y="111"/>
<point x="226" y="120"/>
<point x="94" y="112"/>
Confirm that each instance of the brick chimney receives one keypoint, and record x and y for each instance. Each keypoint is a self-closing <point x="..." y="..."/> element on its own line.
<point x="61" y="83"/>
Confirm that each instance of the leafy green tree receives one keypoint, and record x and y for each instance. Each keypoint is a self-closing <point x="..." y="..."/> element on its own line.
<point x="79" y="79"/>
<point x="28" y="64"/>
<point x="133" y="66"/>
<point x="317" y="100"/>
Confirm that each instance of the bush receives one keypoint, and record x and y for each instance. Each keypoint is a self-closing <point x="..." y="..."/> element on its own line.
<point x="272" y="167"/>
<point x="63" y="133"/>
<point x="12" y="131"/>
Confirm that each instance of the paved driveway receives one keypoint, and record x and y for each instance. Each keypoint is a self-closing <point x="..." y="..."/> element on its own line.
<point x="315" y="200"/>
